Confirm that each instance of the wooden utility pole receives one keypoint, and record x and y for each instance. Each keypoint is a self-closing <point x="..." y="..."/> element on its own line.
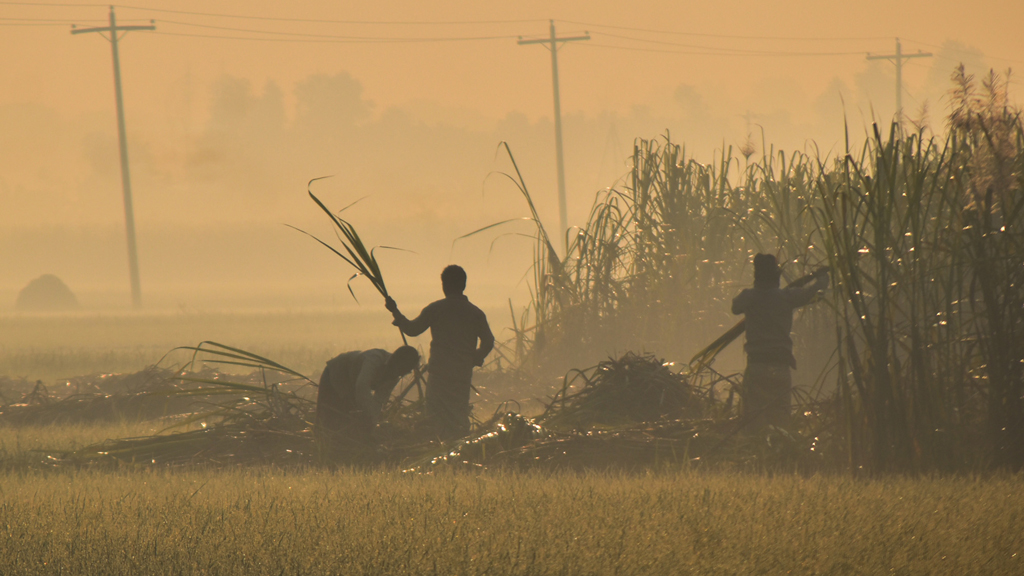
<point x="552" y="43"/>
<point x="898" y="59"/>
<point x="129" y="214"/>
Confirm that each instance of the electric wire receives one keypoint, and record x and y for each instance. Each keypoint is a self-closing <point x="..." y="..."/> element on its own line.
<point x="728" y="36"/>
<point x="731" y="51"/>
<point x="51" y="20"/>
<point x="321" y="40"/>
<point x="328" y="21"/>
<point x="964" y="52"/>
<point x="338" y="37"/>
<point x="54" y="5"/>
<point x="56" y="22"/>
<point x="694" y="49"/>
<point x="717" y="53"/>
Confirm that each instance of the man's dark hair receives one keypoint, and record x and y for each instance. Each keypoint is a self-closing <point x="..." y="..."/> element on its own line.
<point x="453" y="279"/>
<point x="766" y="271"/>
<point x="404" y="360"/>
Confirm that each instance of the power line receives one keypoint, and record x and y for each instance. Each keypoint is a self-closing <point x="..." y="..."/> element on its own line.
<point x="338" y="37"/>
<point x="53" y="5"/>
<point x="34" y="24"/>
<point x="964" y="52"/>
<point x="732" y="51"/>
<point x="727" y="36"/>
<point x="322" y="21"/>
<point x="47" y="21"/>
<point x="659" y="50"/>
<point x="54" y="20"/>
<point x="665" y="42"/>
<point x="283" y="19"/>
<point x="719" y="53"/>
<point x="331" y="40"/>
<point x="710" y="50"/>
<point x="304" y="37"/>
<point x="252" y="39"/>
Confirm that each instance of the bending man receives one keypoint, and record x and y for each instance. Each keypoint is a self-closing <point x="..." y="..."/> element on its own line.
<point x="767" y="382"/>
<point x="459" y="340"/>
<point x="353" y="389"/>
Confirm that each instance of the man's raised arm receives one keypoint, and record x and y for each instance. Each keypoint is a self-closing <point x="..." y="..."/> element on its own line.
<point x="410" y="327"/>
<point x="803" y="295"/>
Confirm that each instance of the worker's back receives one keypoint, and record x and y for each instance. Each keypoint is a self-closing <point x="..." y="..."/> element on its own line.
<point x="343" y="370"/>
<point x="769" y="321"/>
<point x="456" y="325"/>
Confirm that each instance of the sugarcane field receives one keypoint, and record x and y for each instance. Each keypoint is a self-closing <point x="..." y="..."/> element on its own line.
<point x="746" y="312"/>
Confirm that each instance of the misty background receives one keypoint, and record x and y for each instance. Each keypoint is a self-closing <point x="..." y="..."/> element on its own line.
<point x="223" y="143"/>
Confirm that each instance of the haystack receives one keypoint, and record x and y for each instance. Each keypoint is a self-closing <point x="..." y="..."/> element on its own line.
<point x="47" y="293"/>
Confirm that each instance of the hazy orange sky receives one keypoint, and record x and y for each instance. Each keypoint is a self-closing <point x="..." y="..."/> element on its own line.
<point x="48" y="66"/>
<point x="445" y="81"/>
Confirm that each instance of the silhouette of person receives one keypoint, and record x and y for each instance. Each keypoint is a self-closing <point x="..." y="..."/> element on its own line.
<point x="460" y="339"/>
<point x="768" y="309"/>
<point x="353" y="389"/>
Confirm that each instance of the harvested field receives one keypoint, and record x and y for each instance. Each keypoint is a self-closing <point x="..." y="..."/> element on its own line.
<point x="631" y="413"/>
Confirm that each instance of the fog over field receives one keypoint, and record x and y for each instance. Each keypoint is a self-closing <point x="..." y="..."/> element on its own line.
<point x="224" y="132"/>
<point x="858" y="409"/>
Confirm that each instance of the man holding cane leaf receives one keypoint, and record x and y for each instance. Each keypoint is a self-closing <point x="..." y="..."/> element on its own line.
<point x="460" y="340"/>
<point x="768" y="311"/>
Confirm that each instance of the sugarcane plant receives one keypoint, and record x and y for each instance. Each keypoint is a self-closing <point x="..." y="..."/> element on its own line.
<point x="921" y="338"/>
<point x="549" y="280"/>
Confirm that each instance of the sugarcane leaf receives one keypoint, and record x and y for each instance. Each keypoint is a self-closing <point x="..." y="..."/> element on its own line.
<point x="325" y="244"/>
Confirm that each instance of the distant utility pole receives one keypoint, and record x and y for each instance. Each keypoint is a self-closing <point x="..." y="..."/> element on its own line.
<point x="126" y="183"/>
<point x="553" y="44"/>
<point x="898" y="59"/>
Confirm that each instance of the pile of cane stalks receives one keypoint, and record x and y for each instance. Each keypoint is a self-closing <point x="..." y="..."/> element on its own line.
<point x="636" y="413"/>
<point x="631" y="413"/>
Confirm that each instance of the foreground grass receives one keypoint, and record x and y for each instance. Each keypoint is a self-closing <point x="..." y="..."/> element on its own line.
<point x="316" y="522"/>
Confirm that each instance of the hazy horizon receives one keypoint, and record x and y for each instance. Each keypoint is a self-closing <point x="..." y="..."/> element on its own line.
<point x="224" y="132"/>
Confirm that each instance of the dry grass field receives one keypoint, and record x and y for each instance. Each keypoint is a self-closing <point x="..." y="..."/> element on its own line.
<point x="272" y="521"/>
<point x="310" y="520"/>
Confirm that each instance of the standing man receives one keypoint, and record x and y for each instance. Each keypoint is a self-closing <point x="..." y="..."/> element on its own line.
<point x="459" y="340"/>
<point x="353" y="389"/>
<point x="767" y="381"/>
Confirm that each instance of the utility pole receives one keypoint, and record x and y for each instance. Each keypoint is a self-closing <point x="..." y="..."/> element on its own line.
<point x="553" y="44"/>
<point x="898" y="59"/>
<point x="129" y="214"/>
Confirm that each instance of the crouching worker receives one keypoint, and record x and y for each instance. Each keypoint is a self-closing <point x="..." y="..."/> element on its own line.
<point x="768" y="310"/>
<point x="353" y="389"/>
<point x="460" y="340"/>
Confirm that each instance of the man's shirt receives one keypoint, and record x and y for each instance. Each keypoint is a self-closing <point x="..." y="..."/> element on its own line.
<point x="456" y="325"/>
<point x="769" y="319"/>
<point x="361" y="374"/>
